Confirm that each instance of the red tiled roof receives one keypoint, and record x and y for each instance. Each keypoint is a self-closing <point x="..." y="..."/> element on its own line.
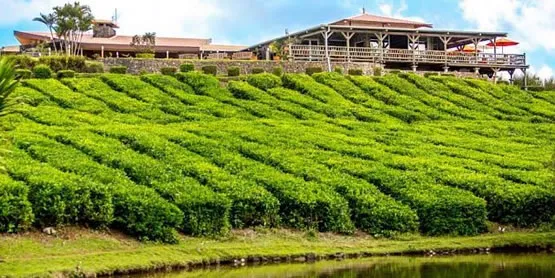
<point x="222" y="48"/>
<point x="382" y="21"/>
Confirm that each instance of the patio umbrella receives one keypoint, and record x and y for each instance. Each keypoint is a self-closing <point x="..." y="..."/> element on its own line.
<point x="503" y="42"/>
<point x="469" y="49"/>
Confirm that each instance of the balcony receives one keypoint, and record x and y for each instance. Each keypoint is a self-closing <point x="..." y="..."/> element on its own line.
<point x="375" y="55"/>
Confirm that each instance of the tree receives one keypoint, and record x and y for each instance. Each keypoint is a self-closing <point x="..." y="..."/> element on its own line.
<point x="69" y="22"/>
<point x="8" y="82"/>
<point x="144" y="43"/>
<point x="49" y="20"/>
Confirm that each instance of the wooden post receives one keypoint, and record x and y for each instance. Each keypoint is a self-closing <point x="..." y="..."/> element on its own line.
<point x="117" y="54"/>
<point x="381" y="39"/>
<point x="445" y="41"/>
<point x="495" y="50"/>
<point x="290" y="58"/>
<point x="348" y="37"/>
<point x="413" y="40"/>
<point x="102" y="52"/>
<point x="525" y="79"/>
<point x="476" y="41"/>
<point x="167" y="54"/>
<point x="327" y="35"/>
<point x="511" y="73"/>
<point x="267" y="53"/>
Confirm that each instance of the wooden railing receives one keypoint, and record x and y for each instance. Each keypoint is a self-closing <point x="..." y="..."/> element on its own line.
<point x="368" y="54"/>
<point x="241" y="56"/>
<point x="217" y="56"/>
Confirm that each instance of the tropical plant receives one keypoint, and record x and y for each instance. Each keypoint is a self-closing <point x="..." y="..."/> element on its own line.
<point x="8" y="82"/>
<point x="144" y="43"/>
<point x="72" y="21"/>
<point x="49" y="20"/>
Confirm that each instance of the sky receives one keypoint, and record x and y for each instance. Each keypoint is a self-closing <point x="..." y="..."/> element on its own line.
<point x="247" y="22"/>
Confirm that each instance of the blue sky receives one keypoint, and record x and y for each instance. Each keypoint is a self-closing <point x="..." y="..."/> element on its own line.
<point x="247" y="22"/>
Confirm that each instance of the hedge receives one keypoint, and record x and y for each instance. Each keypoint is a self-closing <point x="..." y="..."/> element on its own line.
<point x="118" y="69"/>
<point x="168" y="70"/>
<point x="65" y="74"/>
<point x="58" y="63"/>
<point x="145" y="55"/>
<point x="277" y="71"/>
<point x="15" y="209"/>
<point x="93" y="67"/>
<point x="186" y="67"/>
<point x="257" y="70"/>
<point x="23" y="73"/>
<point x="211" y="69"/>
<point x="42" y="72"/>
<point x="233" y="71"/>
<point x="355" y="72"/>
<point x="264" y="81"/>
<point x="313" y="70"/>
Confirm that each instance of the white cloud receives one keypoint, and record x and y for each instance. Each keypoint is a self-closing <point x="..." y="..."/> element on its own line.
<point x="390" y="10"/>
<point x="528" y="21"/>
<point x="545" y="72"/>
<point x="185" y="18"/>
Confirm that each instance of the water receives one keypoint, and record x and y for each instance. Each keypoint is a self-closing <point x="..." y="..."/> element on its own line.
<point x="478" y="266"/>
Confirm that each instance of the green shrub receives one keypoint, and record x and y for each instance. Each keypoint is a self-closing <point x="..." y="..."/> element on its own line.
<point x="377" y="71"/>
<point x="168" y="71"/>
<point x="264" y="81"/>
<point x="338" y="70"/>
<point x="355" y="71"/>
<point x="145" y="55"/>
<point x="23" y="73"/>
<point x="503" y="82"/>
<point x="65" y="74"/>
<point x="394" y="71"/>
<point x="118" y="69"/>
<point x="187" y="67"/>
<point x="23" y="61"/>
<point x="94" y="67"/>
<point x="210" y="69"/>
<point x="313" y="70"/>
<point x="257" y="70"/>
<point x="277" y="71"/>
<point x="15" y="209"/>
<point x="428" y="74"/>
<point x="199" y="81"/>
<point x="233" y="71"/>
<point x="58" y="63"/>
<point x="448" y="74"/>
<point x="42" y="72"/>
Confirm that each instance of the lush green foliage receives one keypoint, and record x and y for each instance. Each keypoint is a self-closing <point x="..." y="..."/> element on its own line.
<point x="277" y="71"/>
<point x="42" y="72"/>
<point x="93" y="67"/>
<point x="145" y="55"/>
<point x="8" y="82"/>
<point x="23" y="73"/>
<point x="313" y="70"/>
<point x="264" y="81"/>
<point x="233" y="71"/>
<point x="156" y="154"/>
<point x="168" y="71"/>
<point x="257" y="70"/>
<point x="118" y="69"/>
<point x="186" y="67"/>
<point x="355" y="72"/>
<point x="58" y="63"/>
<point x="65" y="74"/>
<point x="210" y="69"/>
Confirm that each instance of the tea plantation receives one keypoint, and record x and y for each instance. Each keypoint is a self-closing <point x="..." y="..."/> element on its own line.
<point x="153" y="155"/>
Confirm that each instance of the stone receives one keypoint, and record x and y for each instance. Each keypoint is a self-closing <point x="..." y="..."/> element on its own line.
<point x="49" y="231"/>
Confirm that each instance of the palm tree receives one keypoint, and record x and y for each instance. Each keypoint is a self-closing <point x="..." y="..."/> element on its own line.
<point x="49" y="20"/>
<point x="8" y="82"/>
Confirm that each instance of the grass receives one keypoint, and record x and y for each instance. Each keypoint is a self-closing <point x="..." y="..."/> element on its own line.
<point x="101" y="253"/>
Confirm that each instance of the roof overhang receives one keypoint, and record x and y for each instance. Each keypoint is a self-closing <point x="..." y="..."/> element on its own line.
<point x="459" y="36"/>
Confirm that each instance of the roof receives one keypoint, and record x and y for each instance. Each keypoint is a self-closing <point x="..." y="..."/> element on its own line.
<point x="119" y="42"/>
<point x="222" y="48"/>
<point x="381" y="21"/>
<point x="390" y="30"/>
<point x="10" y="49"/>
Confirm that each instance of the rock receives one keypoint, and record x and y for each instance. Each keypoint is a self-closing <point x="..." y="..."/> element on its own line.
<point x="300" y="259"/>
<point x="49" y="231"/>
<point x="310" y="257"/>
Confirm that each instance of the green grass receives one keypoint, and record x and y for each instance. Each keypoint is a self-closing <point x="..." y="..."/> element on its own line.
<point x="97" y="252"/>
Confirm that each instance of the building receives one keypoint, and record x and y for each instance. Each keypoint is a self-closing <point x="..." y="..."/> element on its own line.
<point x="395" y="43"/>
<point x="104" y="41"/>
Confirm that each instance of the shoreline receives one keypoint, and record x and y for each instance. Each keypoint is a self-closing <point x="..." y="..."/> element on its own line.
<point x="100" y="254"/>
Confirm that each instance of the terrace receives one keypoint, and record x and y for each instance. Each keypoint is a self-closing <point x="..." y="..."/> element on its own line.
<point x="396" y="43"/>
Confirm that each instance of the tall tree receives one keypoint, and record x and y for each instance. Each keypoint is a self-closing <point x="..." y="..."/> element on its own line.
<point x="71" y="23"/>
<point x="49" y="20"/>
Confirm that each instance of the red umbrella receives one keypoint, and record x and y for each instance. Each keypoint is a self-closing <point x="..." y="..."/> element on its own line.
<point x="503" y="42"/>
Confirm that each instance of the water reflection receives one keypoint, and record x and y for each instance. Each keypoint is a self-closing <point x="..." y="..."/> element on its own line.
<point x="490" y="266"/>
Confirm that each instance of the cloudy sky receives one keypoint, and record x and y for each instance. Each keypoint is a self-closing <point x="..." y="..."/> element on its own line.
<point x="246" y="22"/>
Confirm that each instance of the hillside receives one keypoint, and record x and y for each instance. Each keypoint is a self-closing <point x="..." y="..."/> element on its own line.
<point x="151" y="155"/>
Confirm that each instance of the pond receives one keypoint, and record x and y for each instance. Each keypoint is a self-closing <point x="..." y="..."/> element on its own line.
<point x="491" y="266"/>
